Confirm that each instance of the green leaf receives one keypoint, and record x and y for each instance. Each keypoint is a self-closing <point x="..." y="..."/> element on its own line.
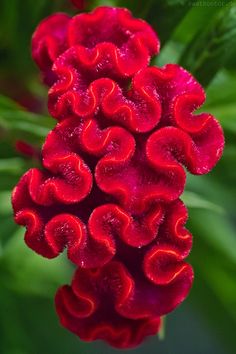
<point x="162" y="332"/>
<point x="212" y="48"/>
<point x="15" y="36"/>
<point x="216" y="275"/>
<point x="24" y="271"/>
<point x="218" y="232"/>
<point x="11" y="166"/>
<point x="170" y="53"/>
<point x="226" y="115"/>
<point x="8" y="228"/>
<point x="164" y="16"/>
<point x="16" y="123"/>
<point x="193" y="200"/>
<point x="5" y="202"/>
<point x="204" y="296"/>
<point x="8" y="104"/>
<point x="223" y="106"/>
<point x="196" y="19"/>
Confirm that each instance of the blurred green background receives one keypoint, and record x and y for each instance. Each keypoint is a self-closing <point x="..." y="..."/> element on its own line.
<point x="201" y="36"/>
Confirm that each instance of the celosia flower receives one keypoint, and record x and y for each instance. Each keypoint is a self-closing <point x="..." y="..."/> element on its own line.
<point x="113" y="172"/>
<point x="129" y="41"/>
<point x="94" y="305"/>
<point x="122" y="301"/>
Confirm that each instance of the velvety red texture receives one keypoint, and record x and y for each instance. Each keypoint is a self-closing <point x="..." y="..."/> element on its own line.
<point x="155" y="97"/>
<point x="108" y="193"/>
<point x="118" y="304"/>
<point x="89" y="159"/>
<point x="113" y="172"/>
<point x="130" y="41"/>
<point x="56" y="217"/>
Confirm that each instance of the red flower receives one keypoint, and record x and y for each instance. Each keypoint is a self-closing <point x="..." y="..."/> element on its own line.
<point x="113" y="170"/>
<point x="133" y="169"/>
<point x="118" y="304"/>
<point x="92" y="307"/>
<point x="130" y="41"/>
<point x="103" y="194"/>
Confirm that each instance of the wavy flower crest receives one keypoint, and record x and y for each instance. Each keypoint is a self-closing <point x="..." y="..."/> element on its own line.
<point x="113" y="170"/>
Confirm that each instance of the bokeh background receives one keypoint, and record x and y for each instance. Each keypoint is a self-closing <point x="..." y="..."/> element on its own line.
<point x="199" y="35"/>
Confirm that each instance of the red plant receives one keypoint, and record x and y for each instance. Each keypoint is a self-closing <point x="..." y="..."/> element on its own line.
<point x="93" y="307"/>
<point x="122" y="301"/>
<point x="113" y="170"/>
<point x="130" y="41"/>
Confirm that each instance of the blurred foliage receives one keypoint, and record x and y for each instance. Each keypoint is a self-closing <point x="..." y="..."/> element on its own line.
<point x="210" y="49"/>
<point x="201" y="36"/>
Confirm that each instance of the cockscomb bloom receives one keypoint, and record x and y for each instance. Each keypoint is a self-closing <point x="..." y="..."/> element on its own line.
<point x="92" y="307"/>
<point x="113" y="172"/>
<point x="129" y="42"/>
<point x="122" y="301"/>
